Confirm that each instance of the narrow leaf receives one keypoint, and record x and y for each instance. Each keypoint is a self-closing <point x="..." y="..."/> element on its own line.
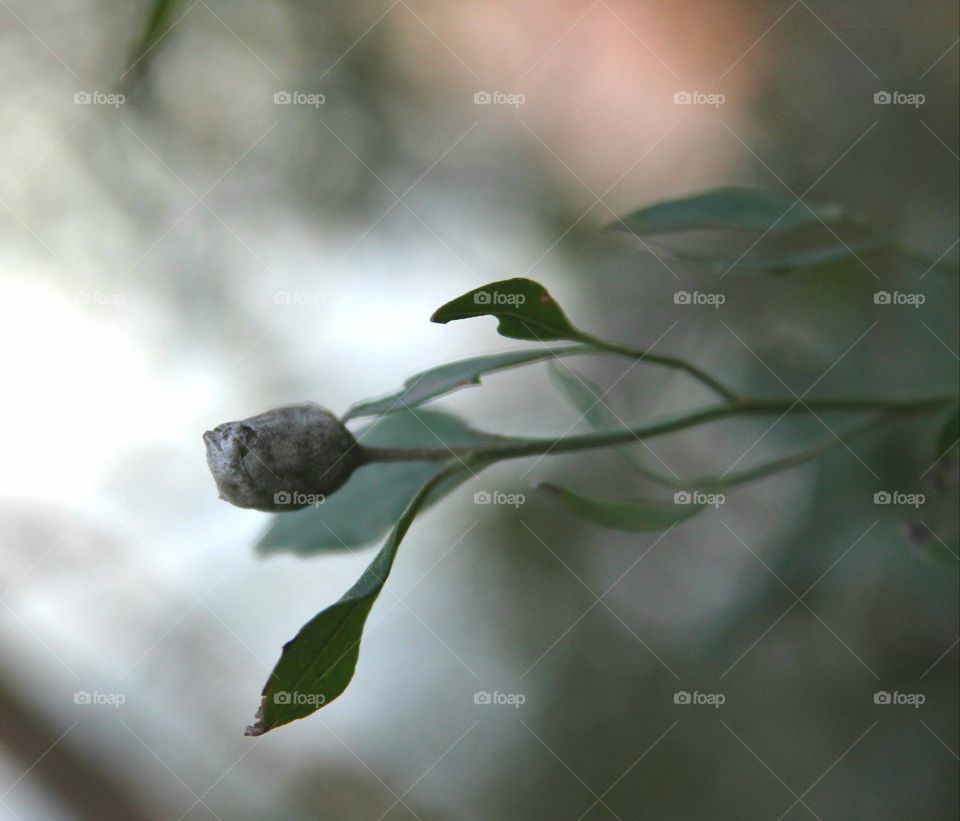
<point x="806" y="259"/>
<point x="318" y="663"/>
<point x="931" y="548"/>
<point x="586" y="399"/>
<point x="368" y="505"/>
<point x="443" y="379"/>
<point x="158" y="23"/>
<point x="632" y="515"/>
<point x="942" y="554"/>
<point x="754" y="209"/>
<point x="524" y="307"/>
<point x="949" y="435"/>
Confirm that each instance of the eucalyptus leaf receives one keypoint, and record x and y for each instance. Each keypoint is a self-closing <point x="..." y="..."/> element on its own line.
<point x="733" y="207"/>
<point x="806" y="259"/>
<point x="634" y="515"/>
<point x="941" y="554"/>
<point x="524" y="307"/>
<point x="376" y="494"/>
<point x="585" y="398"/>
<point x="949" y="435"/>
<point x="158" y="24"/>
<point x="443" y="379"/>
<point x="318" y="663"/>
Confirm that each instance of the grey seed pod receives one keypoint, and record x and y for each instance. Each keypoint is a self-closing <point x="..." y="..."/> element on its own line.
<point x="284" y="459"/>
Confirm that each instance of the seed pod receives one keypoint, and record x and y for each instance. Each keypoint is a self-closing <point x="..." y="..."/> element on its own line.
<point x="284" y="459"/>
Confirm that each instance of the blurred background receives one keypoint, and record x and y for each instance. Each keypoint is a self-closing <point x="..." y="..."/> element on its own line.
<point x="267" y="208"/>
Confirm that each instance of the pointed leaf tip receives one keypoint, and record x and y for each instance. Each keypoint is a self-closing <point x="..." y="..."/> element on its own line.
<point x="524" y="308"/>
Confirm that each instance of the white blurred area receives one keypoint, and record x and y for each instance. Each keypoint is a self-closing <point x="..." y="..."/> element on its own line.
<point x="133" y="317"/>
<point x="131" y="322"/>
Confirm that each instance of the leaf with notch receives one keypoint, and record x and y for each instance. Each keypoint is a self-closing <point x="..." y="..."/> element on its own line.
<point x="443" y="379"/>
<point x="524" y="308"/>
<point x="633" y="515"/>
<point x="317" y="665"/>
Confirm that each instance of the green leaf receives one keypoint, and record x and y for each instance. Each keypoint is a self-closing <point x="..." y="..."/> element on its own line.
<point x="524" y="307"/>
<point x="921" y="264"/>
<point x="318" y="663"/>
<point x="585" y="398"/>
<point x="949" y="435"/>
<point x="632" y="515"/>
<point x="943" y="555"/>
<point x="443" y="379"/>
<point x="753" y="209"/>
<point x="785" y="262"/>
<point x="368" y="505"/>
<point x="158" y="24"/>
<point x="932" y="549"/>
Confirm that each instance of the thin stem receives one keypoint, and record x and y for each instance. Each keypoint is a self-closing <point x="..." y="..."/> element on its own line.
<point x="369" y="454"/>
<point x="765" y="469"/>
<point x="667" y="361"/>
<point x="754" y="407"/>
<point x="516" y="448"/>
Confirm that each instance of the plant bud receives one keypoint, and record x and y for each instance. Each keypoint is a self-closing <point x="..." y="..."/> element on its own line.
<point x="284" y="459"/>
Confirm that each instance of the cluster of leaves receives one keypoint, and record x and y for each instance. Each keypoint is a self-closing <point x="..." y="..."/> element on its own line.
<point x="321" y="659"/>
